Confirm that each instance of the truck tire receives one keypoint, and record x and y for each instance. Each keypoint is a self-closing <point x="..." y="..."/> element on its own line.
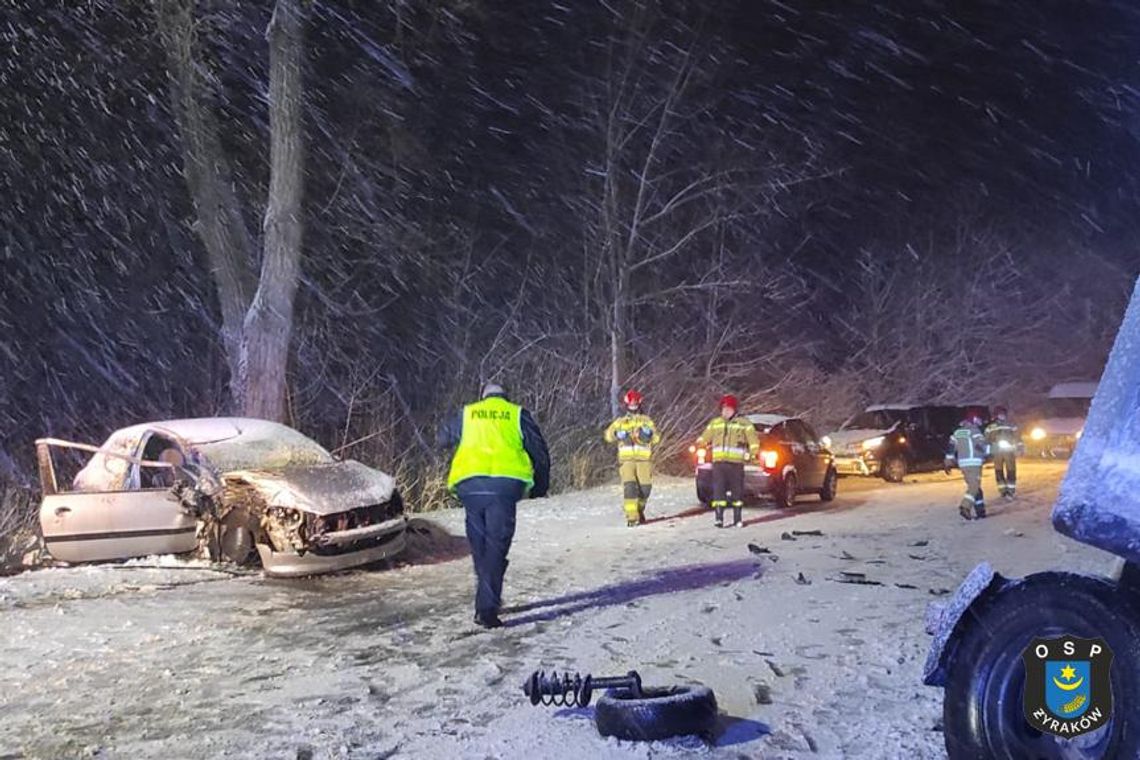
<point x="983" y="707"/>
<point x="894" y="468"/>
<point x="659" y="714"/>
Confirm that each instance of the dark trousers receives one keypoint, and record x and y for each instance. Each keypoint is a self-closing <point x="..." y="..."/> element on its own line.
<point x="490" y="504"/>
<point x="728" y="489"/>
<point x="1005" y="470"/>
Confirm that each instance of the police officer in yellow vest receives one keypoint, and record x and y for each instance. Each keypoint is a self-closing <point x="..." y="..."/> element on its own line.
<point x="635" y="436"/>
<point x="501" y="457"/>
<point x="731" y="442"/>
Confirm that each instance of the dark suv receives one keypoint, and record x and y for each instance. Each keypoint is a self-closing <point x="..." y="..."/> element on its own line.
<point x="793" y="460"/>
<point x="892" y="440"/>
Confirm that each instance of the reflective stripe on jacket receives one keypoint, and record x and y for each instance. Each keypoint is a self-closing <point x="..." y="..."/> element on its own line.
<point x="999" y="432"/>
<point x="491" y="444"/>
<point x="635" y="446"/>
<point x="732" y="440"/>
<point x="968" y="446"/>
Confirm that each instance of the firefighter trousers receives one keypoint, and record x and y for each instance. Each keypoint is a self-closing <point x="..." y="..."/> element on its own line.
<point x="636" y="483"/>
<point x="1005" y="470"/>
<point x="728" y="489"/>
<point x="973" y="501"/>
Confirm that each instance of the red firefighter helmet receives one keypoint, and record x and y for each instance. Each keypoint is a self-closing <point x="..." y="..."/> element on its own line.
<point x="632" y="398"/>
<point x="729" y="400"/>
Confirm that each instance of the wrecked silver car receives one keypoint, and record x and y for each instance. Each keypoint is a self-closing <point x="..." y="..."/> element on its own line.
<point x="224" y="488"/>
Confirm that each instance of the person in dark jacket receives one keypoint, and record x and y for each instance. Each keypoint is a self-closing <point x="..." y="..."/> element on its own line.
<point x="500" y="458"/>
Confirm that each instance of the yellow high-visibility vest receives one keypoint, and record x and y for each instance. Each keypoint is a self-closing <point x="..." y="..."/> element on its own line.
<point x="491" y="444"/>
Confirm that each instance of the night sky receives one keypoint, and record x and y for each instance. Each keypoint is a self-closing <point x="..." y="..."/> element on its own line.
<point x="463" y="128"/>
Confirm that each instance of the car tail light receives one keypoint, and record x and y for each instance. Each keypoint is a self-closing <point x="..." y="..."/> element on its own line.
<point x="700" y="452"/>
<point x="769" y="459"/>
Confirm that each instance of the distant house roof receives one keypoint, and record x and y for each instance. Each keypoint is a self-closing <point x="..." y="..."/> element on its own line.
<point x="1083" y="389"/>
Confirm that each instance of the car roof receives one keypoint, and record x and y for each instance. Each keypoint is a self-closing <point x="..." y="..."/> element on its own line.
<point x="889" y="407"/>
<point x="768" y="420"/>
<point x="1084" y="389"/>
<point x="201" y="430"/>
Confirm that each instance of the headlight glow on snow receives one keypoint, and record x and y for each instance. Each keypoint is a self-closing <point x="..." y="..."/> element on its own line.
<point x="872" y="443"/>
<point x="1037" y="434"/>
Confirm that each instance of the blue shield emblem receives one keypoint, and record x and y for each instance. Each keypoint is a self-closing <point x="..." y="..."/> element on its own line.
<point x="1068" y="687"/>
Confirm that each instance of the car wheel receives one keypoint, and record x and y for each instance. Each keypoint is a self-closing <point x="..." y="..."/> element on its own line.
<point x="983" y="713"/>
<point x="894" y="469"/>
<point x="238" y="536"/>
<point x="786" y="493"/>
<point x="658" y="714"/>
<point x="830" y="485"/>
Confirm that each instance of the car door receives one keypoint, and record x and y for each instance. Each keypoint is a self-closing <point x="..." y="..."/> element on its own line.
<point x="138" y="518"/>
<point x="805" y="451"/>
<point x="820" y="456"/>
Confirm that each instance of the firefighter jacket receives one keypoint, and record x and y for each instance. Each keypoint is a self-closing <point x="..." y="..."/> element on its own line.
<point x="1003" y="437"/>
<point x="968" y="446"/>
<point x="635" y="436"/>
<point x="733" y="440"/>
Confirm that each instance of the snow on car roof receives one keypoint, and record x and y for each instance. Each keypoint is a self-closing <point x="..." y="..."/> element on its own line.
<point x="210" y="429"/>
<point x="768" y="420"/>
<point x="1084" y="389"/>
<point x="889" y="407"/>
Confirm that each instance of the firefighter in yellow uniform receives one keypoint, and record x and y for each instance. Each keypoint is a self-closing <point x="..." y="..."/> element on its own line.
<point x="635" y="436"/>
<point x="731" y="442"/>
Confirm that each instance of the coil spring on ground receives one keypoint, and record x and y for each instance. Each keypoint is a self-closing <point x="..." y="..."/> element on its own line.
<point x="556" y="690"/>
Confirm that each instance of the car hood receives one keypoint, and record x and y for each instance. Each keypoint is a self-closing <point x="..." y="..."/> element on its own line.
<point x="841" y="439"/>
<point x="1060" y="425"/>
<point x="322" y="489"/>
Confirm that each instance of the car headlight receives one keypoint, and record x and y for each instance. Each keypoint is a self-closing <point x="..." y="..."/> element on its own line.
<point x="826" y="441"/>
<point x="1005" y="445"/>
<point x="1037" y="434"/>
<point x="873" y="443"/>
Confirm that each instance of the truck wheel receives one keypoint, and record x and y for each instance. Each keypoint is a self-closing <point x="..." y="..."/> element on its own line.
<point x="983" y="709"/>
<point x="894" y="468"/>
<point x="830" y="485"/>
<point x="659" y="714"/>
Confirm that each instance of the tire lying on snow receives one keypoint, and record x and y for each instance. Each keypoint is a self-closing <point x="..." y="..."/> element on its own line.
<point x="658" y="714"/>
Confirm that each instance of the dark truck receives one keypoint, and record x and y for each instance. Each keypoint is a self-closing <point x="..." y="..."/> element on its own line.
<point x="891" y="440"/>
<point x="980" y="635"/>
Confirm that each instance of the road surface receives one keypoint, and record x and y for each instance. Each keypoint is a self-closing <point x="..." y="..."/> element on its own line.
<point x="180" y="660"/>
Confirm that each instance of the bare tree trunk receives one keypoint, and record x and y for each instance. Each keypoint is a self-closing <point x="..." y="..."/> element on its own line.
<point x="220" y="225"/>
<point x="269" y="322"/>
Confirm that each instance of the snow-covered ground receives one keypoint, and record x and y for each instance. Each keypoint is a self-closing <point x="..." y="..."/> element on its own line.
<point x="180" y="661"/>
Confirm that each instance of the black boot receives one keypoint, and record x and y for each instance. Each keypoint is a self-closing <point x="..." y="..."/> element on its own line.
<point x="738" y="517"/>
<point x="720" y="517"/>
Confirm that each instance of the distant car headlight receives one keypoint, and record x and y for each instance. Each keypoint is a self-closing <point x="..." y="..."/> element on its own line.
<point x="1005" y="445"/>
<point x="1038" y="434"/>
<point x="826" y="441"/>
<point x="873" y="443"/>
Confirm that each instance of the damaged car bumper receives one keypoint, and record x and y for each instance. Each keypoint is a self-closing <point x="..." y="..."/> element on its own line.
<point x="856" y="465"/>
<point x="339" y="550"/>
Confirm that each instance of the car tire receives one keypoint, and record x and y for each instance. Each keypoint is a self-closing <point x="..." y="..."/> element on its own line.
<point x="983" y="705"/>
<point x="787" y="491"/>
<point x="658" y="714"/>
<point x="830" y="485"/>
<point x="894" y="468"/>
<point x="237" y="542"/>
